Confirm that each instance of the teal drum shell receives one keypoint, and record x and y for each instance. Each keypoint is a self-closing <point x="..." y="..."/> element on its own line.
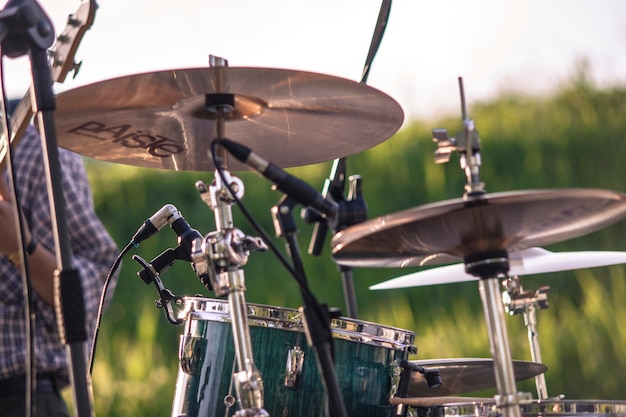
<point x="535" y="408"/>
<point x="367" y="357"/>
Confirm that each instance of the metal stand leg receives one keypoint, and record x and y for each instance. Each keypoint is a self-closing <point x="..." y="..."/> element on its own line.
<point x="518" y="301"/>
<point x="507" y="398"/>
<point x="530" y="320"/>
<point x="488" y="266"/>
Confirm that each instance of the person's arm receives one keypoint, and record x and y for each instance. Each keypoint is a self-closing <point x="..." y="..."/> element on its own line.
<point x="93" y="250"/>
<point x="41" y="261"/>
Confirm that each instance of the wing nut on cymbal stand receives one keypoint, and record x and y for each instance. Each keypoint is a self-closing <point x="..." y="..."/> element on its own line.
<point x="467" y="144"/>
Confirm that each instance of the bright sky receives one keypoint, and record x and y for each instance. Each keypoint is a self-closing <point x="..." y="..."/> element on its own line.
<point x="527" y="45"/>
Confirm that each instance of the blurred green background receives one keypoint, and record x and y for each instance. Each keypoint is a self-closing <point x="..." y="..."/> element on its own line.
<point x="574" y="138"/>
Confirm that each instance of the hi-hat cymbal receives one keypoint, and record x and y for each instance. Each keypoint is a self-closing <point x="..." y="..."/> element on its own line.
<point x="463" y="375"/>
<point x="525" y="262"/>
<point x="444" y="232"/>
<point x="161" y="119"/>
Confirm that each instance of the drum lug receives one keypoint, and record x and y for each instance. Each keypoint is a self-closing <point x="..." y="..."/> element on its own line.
<point x="191" y="353"/>
<point x="395" y="376"/>
<point x="295" y="361"/>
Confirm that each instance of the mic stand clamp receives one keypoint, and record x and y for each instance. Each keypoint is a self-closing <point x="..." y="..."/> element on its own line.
<point x="217" y="260"/>
<point x="350" y="211"/>
<point x="316" y="317"/>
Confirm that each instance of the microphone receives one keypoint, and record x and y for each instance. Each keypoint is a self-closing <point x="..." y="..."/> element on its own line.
<point x="294" y="187"/>
<point x="167" y="214"/>
<point x="186" y="236"/>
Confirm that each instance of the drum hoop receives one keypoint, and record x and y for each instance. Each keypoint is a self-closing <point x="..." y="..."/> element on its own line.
<point x="260" y="315"/>
<point x="543" y="407"/>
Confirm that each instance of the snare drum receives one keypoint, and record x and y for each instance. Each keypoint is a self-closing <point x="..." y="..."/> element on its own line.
<point x="543" y="408"/>
<point x="366" y="355"/>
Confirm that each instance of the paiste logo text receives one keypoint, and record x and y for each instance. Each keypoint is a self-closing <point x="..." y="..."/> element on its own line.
<point x="127" y="136"/>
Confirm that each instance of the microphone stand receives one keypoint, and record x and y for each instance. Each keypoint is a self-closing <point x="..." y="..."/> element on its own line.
<point x="33" y="36"/>
<point x="335" y="184"/>
<point x="351" y="211"/>
<point x="316" y="317"/>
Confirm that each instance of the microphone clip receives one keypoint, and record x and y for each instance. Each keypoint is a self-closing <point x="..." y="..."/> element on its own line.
<point x="149" y="275"/>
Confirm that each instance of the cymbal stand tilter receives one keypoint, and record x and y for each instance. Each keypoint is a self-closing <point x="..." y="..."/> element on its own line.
<point x="486" y="263"/>
<point x="517" y="301"/>
<point x="218" y="259"/>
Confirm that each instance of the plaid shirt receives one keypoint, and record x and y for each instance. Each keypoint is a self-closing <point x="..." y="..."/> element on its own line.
<point x="93" y="252"/>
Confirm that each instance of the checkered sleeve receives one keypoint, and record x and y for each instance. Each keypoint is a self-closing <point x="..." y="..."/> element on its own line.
<point x="93" y="250"/>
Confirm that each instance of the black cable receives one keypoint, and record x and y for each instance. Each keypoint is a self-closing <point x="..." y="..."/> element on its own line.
<point x="105" y="288"/>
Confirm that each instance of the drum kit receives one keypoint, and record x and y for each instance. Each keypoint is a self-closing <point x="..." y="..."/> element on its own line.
<point x="315" y="362"/>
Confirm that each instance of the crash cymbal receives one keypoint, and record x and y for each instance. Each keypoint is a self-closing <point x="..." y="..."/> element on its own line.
<point x="465" y="375"/>
<point x="161" y="120"/>
<point x="525" y="262"/>
<point x="452" y="230"/>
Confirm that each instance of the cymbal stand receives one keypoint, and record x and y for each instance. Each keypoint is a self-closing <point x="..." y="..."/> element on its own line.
<point x="488" y="265"/>
<point x="217" y="260"/>
<point x="517" y="301"/>
<point x="219" y="256"/>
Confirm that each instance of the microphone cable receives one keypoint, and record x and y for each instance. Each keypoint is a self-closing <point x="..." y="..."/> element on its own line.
<point x="264" y="235"/>
<point x="103" y="295"/>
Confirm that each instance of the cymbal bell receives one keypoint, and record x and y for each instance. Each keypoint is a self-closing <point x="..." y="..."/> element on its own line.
<point x="525" y="262"/>
<point x="461" y="375"/>
<point x="455" y="229"/>
<point x="168" y="119"/>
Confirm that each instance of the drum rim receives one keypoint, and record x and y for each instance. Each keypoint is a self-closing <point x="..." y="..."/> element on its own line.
<point x="262" y="315"/>
<point x="552" y="406"/>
